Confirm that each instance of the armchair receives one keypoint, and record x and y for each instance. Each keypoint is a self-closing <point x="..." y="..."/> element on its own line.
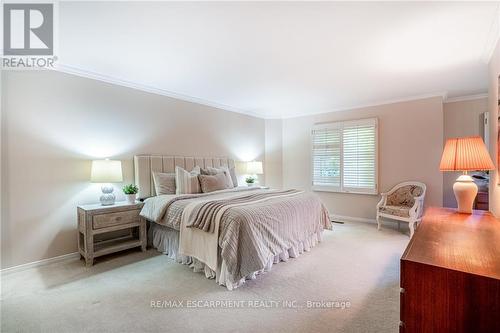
<point x="404" y="203"/>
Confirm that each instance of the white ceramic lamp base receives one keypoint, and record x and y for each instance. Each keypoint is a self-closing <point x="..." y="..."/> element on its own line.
<point x="465" y="192"/>
<point x="107" y="197"/>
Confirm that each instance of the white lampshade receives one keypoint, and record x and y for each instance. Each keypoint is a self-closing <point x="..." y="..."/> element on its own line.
<point x="240" y="167"/>
<point x="106" y="171"/>
<point x="254" y="168"/>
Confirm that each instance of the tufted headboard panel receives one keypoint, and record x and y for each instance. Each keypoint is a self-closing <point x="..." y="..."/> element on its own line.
<point x="145" y="165"/>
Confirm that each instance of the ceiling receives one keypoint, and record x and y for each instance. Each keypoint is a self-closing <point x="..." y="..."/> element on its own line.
<point x="277" y="59"/>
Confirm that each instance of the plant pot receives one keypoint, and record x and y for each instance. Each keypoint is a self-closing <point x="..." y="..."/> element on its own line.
<point x="250" y="184"/>
<point x="131" y="198"/>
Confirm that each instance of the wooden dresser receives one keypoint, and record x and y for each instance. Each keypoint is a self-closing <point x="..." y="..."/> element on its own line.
<point x="450" y="274"/>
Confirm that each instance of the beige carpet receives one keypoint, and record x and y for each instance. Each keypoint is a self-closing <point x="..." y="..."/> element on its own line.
<point x="355" y="263"/>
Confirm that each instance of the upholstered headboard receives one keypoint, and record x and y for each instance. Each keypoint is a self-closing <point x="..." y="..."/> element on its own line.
<point x="145" y="165"/>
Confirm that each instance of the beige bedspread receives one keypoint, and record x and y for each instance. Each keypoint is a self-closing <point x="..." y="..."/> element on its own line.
<point x="205" y="214"/>
<point x="247" y="234"/>
<point x="167" y="209"/>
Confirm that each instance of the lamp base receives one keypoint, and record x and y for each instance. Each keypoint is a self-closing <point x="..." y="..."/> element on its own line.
<point x="465" y="192"/>
<point x="107" y="198"/>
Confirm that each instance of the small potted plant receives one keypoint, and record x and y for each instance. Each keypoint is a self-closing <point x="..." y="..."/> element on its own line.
<point x="130" y="191"/>
<point x="250" y="180"/>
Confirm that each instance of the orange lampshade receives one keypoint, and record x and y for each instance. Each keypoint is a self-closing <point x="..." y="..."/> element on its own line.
<point x="465" y="154"/>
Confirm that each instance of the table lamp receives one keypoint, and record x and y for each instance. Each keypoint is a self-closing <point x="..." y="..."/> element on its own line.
<point x="254" y="168"/>
<point x="465" y="154"/>
<point x="106" y="172"/>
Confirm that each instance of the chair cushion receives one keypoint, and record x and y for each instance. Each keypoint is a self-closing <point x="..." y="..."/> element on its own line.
<point x="401" y="211"/>
<point x="404" y="196"/>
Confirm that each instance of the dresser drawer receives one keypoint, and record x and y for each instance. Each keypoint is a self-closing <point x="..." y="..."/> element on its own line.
<point x="108" y="220"/>
<point x="482" y="197"/>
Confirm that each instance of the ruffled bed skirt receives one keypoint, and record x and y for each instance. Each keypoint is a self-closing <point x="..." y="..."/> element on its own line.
<point x="166" y="240"/>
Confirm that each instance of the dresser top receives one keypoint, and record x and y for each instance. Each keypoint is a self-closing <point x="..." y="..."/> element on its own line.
<point x="461" y="242"/>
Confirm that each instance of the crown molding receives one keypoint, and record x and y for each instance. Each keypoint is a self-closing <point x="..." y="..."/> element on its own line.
<point x="465" y="98"/>
<point x="63" y="68"/>
<point x="443" y="96"/>
<point x="72" y="70"/>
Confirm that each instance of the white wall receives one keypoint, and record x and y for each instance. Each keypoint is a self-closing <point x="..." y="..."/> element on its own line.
<point x="410" y="147"/>
<point x="461" y="118"/>
<point x="493" y="97"/>
<point x="274" y="153"/>
<point x="54" y="124"/>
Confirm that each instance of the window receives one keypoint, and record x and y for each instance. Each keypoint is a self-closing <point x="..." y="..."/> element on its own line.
<point x="344" y="156"/>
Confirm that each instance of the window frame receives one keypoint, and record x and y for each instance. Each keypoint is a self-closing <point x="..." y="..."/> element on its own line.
<point x="341" y="125"/>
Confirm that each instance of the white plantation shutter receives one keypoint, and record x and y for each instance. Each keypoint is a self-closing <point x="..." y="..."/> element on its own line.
<point x="327" y="157"/>
<point x="359" y="162"/>
<point x="345" y="156"/>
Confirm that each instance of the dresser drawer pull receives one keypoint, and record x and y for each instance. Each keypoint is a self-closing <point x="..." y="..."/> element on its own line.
<point x="118" y="218"/>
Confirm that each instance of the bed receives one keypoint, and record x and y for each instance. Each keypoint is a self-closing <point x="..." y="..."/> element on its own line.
<point x="230" y="235"/>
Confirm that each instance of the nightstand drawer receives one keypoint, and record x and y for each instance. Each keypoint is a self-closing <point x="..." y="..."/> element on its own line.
<point x="108" y="220"/>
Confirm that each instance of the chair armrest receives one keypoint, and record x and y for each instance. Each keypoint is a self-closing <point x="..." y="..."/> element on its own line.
<point x="383" y="200"/>
<point x="418" y="207"/>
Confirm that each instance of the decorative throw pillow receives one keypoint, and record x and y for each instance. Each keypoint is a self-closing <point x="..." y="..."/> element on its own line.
<point x="232" y="172"/>
<point x="164" y="183"/>
<point x="187" y="182"/>
<point x="224" y="170"/>
<point x="210" y="183"/>
<point x="210" y="171"/>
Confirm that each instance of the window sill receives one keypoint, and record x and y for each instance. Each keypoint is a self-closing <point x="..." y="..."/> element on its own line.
<point x="317" y="188"/>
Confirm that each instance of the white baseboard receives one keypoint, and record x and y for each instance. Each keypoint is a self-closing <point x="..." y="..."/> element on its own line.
<point x="342" y="218"/>
<point x="19" y="268"/>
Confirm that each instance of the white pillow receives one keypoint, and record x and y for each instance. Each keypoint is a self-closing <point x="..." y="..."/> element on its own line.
<point x="187" y="182"/>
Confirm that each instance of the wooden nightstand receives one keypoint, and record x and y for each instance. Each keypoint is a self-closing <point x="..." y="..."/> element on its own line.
<point x="103" y="229"/>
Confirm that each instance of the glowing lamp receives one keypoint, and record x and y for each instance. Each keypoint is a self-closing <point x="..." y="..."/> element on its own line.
<point x="254" y="168"/>
<point x="106" y="172"/>
<point x="465" y="154"/>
